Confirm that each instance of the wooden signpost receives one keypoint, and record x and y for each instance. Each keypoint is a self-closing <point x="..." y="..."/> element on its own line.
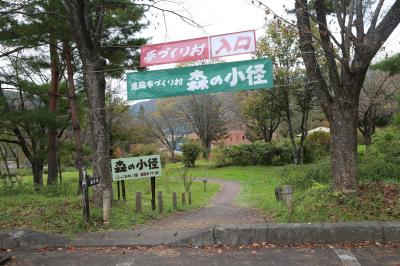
<point x="86" y="183"/>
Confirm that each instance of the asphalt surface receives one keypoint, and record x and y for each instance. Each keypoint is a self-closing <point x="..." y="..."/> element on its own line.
<point x="220" y="210"/>
<point x="326" y="255"/>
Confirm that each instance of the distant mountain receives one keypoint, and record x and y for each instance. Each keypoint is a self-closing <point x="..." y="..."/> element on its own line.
<point x="149" y="106"/>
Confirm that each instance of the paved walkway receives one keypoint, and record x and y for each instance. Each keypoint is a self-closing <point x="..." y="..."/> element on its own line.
<point x="181" y="226"/>
<point x="220" y="210"/>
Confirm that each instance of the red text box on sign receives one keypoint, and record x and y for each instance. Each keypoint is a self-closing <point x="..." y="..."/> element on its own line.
<point x="174" y="52"/>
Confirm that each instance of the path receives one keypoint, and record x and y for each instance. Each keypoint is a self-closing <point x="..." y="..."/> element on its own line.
<point x="220" y="210"/>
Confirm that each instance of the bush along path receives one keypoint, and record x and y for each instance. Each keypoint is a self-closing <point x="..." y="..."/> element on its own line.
<point x="220" y="210"/>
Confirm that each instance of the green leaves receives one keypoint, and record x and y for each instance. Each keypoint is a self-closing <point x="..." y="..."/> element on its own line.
<point x="391" y="65"/>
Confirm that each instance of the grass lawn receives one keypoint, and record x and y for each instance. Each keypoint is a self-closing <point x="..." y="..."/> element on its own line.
<point x="375" y="201"/>
<point x="58" y="210"/>
<point x="258" y="182"/>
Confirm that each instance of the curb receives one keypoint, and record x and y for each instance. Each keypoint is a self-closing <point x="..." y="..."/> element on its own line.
<point x="28" y="239"/>
<point x="292" y="233"/>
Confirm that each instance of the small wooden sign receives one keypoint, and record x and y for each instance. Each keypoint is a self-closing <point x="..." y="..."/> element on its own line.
<point x="93" y="181"/>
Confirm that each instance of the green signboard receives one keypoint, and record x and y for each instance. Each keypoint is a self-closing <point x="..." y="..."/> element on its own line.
<point x="222" y="77"/>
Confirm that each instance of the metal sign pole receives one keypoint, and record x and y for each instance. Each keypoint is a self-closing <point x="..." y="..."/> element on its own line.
<point x="85" y="197"/>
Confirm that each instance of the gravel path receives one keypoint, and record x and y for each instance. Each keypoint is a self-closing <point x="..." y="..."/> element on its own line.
<point x="220" y="210"/>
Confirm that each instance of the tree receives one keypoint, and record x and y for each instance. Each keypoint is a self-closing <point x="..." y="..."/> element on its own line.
<point x="96" y="25"/>
<point x="120" y="121"/>
<point x="23" y="119"/>
<point x="38" y="20"/>
<point x="281" y="45"/>
<point x="167" y="124"/>
<point x="391" y="65"/>
<point x="347" y="58"/>
<point x="206" y="114"/>
<point x="377" y="103"/>
<point x="262" y="112"/>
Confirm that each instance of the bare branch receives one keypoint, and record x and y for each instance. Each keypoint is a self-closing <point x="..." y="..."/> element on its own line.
<point x="359" y="23"/>
<point x="375" y="16"/>
<point x="327" y="46"/>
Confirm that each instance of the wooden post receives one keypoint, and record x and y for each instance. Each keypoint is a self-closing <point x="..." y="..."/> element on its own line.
<point x="118" y="189"/>
<point x="106" y="206"/>
<point x="183" y="199"/>
<point x="278" y="194"/>
<point x="123" y="190"/>
<point x="190" y="197"/>
<point x="174" y="202"/>
<point x="160" y="202"/>
<point x="205" y="185"/>
<point x="138" y="202"/>
<point x="287" y="193"/>
<point x="153" y="192"/>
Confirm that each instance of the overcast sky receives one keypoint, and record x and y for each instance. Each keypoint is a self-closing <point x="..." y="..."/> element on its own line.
<point x="225" y="16"/>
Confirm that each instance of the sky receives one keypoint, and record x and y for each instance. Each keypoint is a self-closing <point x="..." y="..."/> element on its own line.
<point x="224" y="16"/>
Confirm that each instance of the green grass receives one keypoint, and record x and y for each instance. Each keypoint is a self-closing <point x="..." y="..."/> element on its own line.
<point x="59" y="210"/>
<point x="361" y="148"/>
<point x="257" y="182"/>
<point x="375" y="202"/>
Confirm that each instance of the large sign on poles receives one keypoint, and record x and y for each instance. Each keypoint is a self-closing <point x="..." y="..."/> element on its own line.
<point x="198" y="49"/>
<point x="136" y="167"/>
<point x="213" y="78"/>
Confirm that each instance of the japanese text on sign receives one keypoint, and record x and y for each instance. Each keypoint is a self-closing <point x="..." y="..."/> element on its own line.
<point x="136" y="167"/>
<point x="222" y="77"/>
<point x="198" y="49"/>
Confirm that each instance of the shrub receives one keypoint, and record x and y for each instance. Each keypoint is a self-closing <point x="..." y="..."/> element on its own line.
<point x="256" y="153"/>
<point x="304" y="176"/>
<point x="316" y="147"/>
<point x="218" y="157"/>
<point x="382" y="160"/>
<point x="143" y="149"/>
<point x="283" y="152"/>
<point x="23" y="171"/>
<point x="190" y="152"/>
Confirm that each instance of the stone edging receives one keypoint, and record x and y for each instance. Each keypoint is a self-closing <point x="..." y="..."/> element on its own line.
<point x="293" y="233"/>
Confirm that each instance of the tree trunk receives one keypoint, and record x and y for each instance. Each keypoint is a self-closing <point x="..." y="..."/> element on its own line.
<point x="73" y="105"/>
<point x="367" y="140"/>
<point x="95" y="89"/>
<point x="37" y="171"/>
<point x="304" y="132"/>
<point x="4" y="156"/>
<point x="88" y="42"/>
<point x="292" y="136"/>
<point x="52" y="129"/>
<point x="207" y="147"/>
<point x="343" y="144"/>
